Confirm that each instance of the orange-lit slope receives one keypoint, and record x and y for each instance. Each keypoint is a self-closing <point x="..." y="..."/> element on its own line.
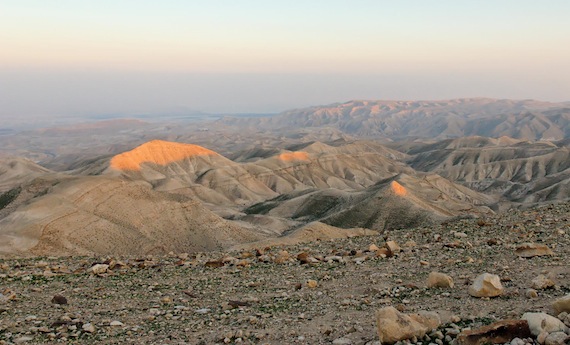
<point x="158" y="152"/>
<point x="398" y="189"/>
<point x="294" y="156"/>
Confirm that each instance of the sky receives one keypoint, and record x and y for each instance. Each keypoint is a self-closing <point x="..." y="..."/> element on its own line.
<point x="83" y="58"/>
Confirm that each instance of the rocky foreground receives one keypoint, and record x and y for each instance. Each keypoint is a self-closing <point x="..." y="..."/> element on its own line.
<point x="425" y="285"/>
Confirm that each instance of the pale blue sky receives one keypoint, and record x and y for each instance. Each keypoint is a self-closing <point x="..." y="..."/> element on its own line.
<point x="82" y="57"/>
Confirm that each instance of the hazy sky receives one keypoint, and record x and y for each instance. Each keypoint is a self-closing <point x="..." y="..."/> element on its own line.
<point x="81" y="57"/>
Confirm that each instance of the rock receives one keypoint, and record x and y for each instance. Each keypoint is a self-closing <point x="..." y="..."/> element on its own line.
<point x="556" y="338"/>
<point x="116" y="323"/>
<point x="531" y="293"/>
<point x="373" y="248"/>
<point x="529" y="250"/>
<point x="542" y="282"/>
<point x="441" y="280"/>
<point x="539" y="322"/>
<point x="99" y="268"/>
<point x="22" y="340"/>
<point x="496" y="333"/>
<point x="486" y="285"/>
<point x="88" y="327"/>
<point x="541" y="338"/>
<point x="394" y="326"/>
<point x="562" y="304"/>
<point x="393" y="248"/>
<point x="312" y="283"/>
<point x="59" y="299"/>
<point x="214" y="264"/>
<point x="342" y="341"/>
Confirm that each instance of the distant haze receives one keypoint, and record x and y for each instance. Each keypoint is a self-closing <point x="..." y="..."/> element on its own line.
<point x="78" y="58"/>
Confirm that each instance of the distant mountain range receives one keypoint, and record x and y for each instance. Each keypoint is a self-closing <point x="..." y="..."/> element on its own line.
<point x="526" y="119"/>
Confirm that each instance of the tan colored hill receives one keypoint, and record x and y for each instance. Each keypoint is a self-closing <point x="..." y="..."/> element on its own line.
<point x="15" y="170"/>
<point x="522" y="171"/>
<point x="403" y="201"/>
<point x="311" y="232"/>
<point x="205" y="175"/>
<point x="102" y="215"/>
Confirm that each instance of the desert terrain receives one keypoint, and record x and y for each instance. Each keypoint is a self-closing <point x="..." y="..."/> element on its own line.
<point x="291" y="228"/>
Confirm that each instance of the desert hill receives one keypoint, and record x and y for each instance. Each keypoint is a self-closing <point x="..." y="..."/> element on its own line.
<point x="214" y="179"/>
<point x="526" y="119"/>
<point x="521" y="171"/>
<point x="402" y="201"/>
<point x="107" y="215"/>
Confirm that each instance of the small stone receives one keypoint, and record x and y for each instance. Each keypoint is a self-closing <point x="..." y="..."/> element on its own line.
<point x="556" y="338"/>
<point x="312" y="283"/>
<point x="393" y="248"/>
<point x="562" y="304"/>
<point x="440" y="280"/>
<point x="342" y="341"/>
<point x="531" y="293"/>
<point x="486" y="285"/>
<point x="542" y="282"/>
<point x="59" y="299"/>
<point x="203" y="311"/>
<point x="23" y="339"/>
<point x="529" y="250"/>
<point x="116" y="323"/>
<point x="88" y="327"/>
<point x="373" y="247"/>
<point x="99" y="268"/>
<point x="542" y="322"/>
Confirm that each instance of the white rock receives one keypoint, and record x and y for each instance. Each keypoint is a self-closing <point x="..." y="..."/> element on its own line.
<point x="116" y="323"/>
<point x="342" y="341"/>
<point x="539" y="322"/>
<point x="486" y="285"/>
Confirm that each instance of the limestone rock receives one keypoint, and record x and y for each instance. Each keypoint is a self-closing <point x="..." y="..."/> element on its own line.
<point x="562" y="304"/>
<point x="99" y="268"/>
<point x="542" y="282"/>
<point x="394" y="325"/>
<point x="496" y="333"/>
<point x="529" y="250"/>
<point x="486" y="285"/>
<point x="441" y="280"/>
<point x="539" y="322"/>
<point x="312" y="283"/>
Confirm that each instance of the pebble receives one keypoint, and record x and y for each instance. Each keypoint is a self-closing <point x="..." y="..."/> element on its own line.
<point x="88" y="327"/>
<point x="342" y="341"/>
